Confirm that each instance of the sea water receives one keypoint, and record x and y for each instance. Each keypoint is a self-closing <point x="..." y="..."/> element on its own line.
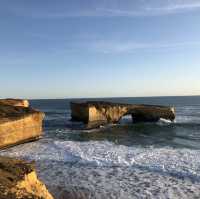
<point x="146" y="160"/>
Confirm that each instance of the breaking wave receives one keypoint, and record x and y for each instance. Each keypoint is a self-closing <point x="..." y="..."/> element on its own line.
<point x="88" y="168"/>
<point x="124" y="161"/>
<point x="101" y="169"/>
<point x="183" y="162"/>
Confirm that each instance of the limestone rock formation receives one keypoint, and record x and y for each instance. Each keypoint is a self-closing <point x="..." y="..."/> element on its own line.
<point x="18" y="180"/>
<point x="19" y="124"/>
<point x="15" y="102"/>
<point x="96" y="113"/>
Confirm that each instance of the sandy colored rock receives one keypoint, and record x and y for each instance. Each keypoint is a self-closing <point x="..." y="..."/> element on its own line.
<point x="95" y="113"/>
<point x="18" y="180"/>
<point x="15" y="102"/>
<point x="19" y="125"/>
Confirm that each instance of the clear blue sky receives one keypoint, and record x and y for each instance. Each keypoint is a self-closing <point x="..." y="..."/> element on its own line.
<point x="99" y="48"/>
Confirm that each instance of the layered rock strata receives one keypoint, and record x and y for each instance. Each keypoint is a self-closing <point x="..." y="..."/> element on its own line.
<point x="19" y="124"/>
<point x="15" y="102"/>
<point x="18" y="180"/>
<point x="95" y="113"/>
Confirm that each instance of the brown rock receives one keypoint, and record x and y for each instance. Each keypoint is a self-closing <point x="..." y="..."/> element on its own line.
<point x="19" y="124"/>
<point x="95" y="113"/>
<point x="18" y="180"/>
<point x="15" y="102"/>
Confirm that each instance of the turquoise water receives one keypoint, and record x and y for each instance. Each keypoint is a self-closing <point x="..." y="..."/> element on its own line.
<point x="149" y="160"/>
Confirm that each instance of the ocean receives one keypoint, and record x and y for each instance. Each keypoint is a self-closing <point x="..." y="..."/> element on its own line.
<point x="145" y="160"/>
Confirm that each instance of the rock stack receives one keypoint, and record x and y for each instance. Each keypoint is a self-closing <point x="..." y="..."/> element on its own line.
<point x="96" y="113"/>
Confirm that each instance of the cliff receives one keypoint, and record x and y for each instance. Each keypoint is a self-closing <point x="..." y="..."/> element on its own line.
<point x="95" y="113"/>
<point x="18" y="180"/>
<point x="15" y="102"/>
<point x="19" y="124"/>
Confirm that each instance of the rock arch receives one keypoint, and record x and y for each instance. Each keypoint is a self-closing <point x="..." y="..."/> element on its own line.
<point x="96" y="113"/>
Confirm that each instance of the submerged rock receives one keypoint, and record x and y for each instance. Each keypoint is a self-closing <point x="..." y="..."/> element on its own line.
<point x="96" y="113"/>
<point x="15" y="102"/>
<point x="19" y="124"/>
<point x="18" y="180"/>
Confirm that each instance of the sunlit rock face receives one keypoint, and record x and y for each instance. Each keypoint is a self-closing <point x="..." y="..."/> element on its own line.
<point x="19" y="124"/>
<point x="18" y="180"/>
<point x="15" y="102"/>
<point x="97" y="113"/>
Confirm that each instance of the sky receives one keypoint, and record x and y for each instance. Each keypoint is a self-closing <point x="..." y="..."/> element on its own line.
<point x="92" y="48"/>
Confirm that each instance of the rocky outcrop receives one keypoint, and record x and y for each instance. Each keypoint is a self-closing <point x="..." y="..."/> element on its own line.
<point x="95" y="113"/>
<point x="15" y="102"/>
<point x="19" y="124"/>
<point x="18" y="180"/>
<point x="148" y="113"/>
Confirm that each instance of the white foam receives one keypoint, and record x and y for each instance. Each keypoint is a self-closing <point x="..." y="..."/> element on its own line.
<point x="107" y="170"/>
<point x="163" y="121"/>
<point x="183" y="162"/>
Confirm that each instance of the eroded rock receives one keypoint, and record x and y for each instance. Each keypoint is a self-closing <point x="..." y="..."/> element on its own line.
<point x="96" y="113"/>
<point x="19" y="124"/>
<point x="18" y="180"/>
<point x="15" y="102"/>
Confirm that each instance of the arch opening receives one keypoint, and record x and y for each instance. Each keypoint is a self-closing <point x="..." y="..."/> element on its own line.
<point x="126" y="119"/>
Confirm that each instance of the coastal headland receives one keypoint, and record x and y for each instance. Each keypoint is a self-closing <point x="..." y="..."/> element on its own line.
<point x="19" y="122"/>
<point x="18" y="180"/>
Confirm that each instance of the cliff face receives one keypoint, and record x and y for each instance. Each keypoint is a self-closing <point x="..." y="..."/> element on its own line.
<point x="18" y="180"/>
<point x="19" y="124"/>
<point x="102" y="112"/>
<point x="97" y="113"/>
<point x="15" y="102"/>
<point x="110" y="114"/>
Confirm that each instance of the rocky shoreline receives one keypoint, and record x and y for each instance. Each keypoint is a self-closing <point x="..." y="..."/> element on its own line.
<point x="19" y="123"/>
<point x="18" y="180"/>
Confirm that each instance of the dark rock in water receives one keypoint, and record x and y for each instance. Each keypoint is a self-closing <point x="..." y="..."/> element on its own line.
<point x="19" y="124"/>
<point x="96" y="113"/>
<point x="147" y="113"/>
<point x="18" y="180"/>
<point x="15" y="102"/>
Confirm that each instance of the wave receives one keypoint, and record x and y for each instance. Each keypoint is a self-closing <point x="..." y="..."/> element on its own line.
<point x="101" y="169"/>
<point x="151" y="160"/>
<point x="183" y="162"/>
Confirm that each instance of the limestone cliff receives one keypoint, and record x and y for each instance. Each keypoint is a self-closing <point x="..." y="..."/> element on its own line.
<point x="18" y="180"/>
<point x="95" y="113"/>
<point x="19" y="124"/>
<point x="15" y="102"/>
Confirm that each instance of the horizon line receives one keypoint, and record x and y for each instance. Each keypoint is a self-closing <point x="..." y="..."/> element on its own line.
<point x="63" y="98"/>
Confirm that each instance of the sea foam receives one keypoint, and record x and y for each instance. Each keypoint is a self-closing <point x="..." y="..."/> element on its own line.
<point x="183" y="162"/>
<point x="101" y="169"/>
